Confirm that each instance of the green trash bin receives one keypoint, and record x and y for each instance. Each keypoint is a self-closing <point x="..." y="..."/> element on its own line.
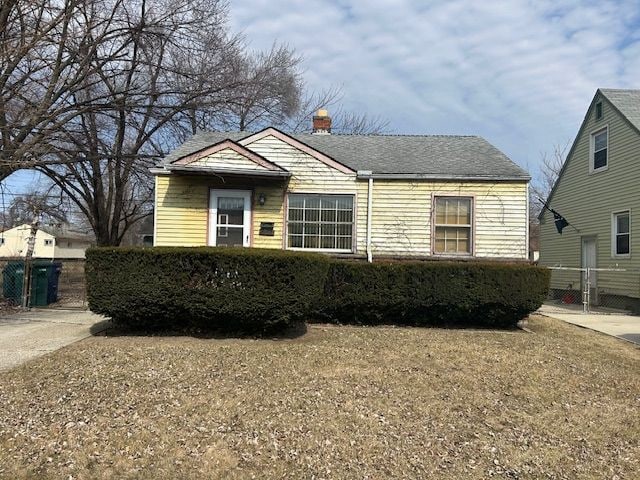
<point x="39" y="284"/>
<point x="44" y="282"/>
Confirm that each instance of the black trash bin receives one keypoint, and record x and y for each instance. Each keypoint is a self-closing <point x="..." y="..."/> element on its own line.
<point x="54" y="271"/>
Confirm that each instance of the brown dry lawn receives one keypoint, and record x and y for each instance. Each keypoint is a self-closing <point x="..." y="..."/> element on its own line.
<point x="338" y="402"/>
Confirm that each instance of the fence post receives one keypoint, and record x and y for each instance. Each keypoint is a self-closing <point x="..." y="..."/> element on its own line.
<point x="586" y="307"/>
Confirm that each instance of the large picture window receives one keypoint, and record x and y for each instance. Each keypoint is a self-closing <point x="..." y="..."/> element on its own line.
<point x="320" y="222"/>
<point x="621" y="233"/>
<point x="453" y="225"/>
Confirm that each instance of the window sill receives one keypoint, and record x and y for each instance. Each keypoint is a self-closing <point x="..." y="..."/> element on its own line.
<point x="453" y="255"/>
<point x="318" y="250"/>
<point x="598" y="170"/>
<point x="621" y="256"/>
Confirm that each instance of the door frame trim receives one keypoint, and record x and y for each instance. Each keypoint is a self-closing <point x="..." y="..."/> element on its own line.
<point x="594" y="238"/>
<point x="212" y="216"/>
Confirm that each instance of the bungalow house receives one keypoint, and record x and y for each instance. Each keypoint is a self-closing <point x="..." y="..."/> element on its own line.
<point x="362" y="196"/>
<point x="598" y="193"/>
<point x="50" y="243"/>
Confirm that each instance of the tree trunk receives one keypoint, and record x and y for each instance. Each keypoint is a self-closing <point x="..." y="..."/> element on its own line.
<point x="31" y="243"/>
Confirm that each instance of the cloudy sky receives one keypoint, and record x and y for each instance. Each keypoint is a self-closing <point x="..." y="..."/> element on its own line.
<point x="519" y="73"/>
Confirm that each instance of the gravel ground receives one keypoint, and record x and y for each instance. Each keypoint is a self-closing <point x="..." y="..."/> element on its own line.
<point x="339" y="402"/>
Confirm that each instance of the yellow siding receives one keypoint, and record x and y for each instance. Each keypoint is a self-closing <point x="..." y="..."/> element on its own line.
<point x="588" y="201"/>
<point x="182" y="210"/>
<point x="308" y="174"/>
<point x="226" y="158"/>
<point x="401" y="222"/>
<point x="271" y="211"/>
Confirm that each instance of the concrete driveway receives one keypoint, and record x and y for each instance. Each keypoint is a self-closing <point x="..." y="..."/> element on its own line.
<point x="626" y="327"/>
<point x="26" y="335"/>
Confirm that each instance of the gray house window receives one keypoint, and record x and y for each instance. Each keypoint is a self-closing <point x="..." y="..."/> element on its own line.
<point x="598" y="110"/>
<point x="320" y="222"/>
<point x="599" y="149"/>
<point x="48" y="243"/>
<point x="621" y="233"/>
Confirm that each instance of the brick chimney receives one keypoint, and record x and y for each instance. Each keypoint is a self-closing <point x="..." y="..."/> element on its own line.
<point x="322" y="122"/>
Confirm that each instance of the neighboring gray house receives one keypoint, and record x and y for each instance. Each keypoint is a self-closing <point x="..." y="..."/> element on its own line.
<point x="598" y="192"/>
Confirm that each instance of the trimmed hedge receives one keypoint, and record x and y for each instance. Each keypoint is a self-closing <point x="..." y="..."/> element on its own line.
<point x="220" y="289"/>
<point x="265" y="291"/>
<point x="432" y="293"/>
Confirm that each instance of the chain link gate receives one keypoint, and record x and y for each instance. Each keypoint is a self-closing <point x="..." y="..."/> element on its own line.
<point x="51" y="283"/>
<point x="596" y="290"/>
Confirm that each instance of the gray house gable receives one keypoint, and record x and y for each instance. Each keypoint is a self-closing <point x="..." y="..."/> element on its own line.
<point x="598" y="201"/>
<point x="625" y="103"/>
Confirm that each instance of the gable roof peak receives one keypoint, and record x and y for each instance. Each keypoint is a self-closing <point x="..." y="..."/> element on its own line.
<point x="626" y="102"/>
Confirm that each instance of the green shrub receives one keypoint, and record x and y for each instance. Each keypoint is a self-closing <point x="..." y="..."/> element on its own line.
<point x="432" y="293"/>
<point x="222" y="289"/>
<point x="265" y="291"/>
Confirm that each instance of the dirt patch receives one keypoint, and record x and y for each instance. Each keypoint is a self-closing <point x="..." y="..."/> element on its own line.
<point x="338" y="402"/>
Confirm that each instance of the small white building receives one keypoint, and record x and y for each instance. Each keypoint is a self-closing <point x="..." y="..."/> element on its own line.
<point x="50" y="243"/>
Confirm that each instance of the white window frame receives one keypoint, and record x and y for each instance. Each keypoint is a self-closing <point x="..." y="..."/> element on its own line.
<point x="614" y="234"/>
<point x="592" y="150"/>
<point x="471" y="226"/>
<point x="325" y="250"/>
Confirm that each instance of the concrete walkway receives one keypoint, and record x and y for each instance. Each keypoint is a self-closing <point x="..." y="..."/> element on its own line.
<point x="26" y="335"/>
<point x="624" y="326"/>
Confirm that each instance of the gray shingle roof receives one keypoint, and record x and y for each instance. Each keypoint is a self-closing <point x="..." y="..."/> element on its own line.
<point x="627" y="101"/>
<point x="420" y="155"/>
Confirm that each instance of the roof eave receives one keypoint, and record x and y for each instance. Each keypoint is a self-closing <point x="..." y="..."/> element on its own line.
<point x="180" y="169"/>
<point x="437" y="176"/>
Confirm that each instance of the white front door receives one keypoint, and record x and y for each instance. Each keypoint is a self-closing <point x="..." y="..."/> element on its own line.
<point x="230" y="218"/>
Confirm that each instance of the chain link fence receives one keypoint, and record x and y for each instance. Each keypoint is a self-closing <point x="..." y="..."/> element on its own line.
<point x="595" y="290"/>
<point x="51" y="283"/>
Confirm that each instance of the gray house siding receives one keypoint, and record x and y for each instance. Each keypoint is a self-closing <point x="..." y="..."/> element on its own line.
<point x="588" y="201"/>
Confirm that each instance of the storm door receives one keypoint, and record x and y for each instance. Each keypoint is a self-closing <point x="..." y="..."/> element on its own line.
<point x="230" y="218"/>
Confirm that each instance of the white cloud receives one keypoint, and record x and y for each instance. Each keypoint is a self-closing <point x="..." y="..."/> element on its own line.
<point x="519" y="73"/>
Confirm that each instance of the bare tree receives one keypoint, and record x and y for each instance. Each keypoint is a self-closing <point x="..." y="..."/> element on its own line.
<point x="549" y="171"/>
<point x="539" y="189"/>
<point x="44" y="50"/>
<point x="151" y="94"/>
<point x="93" y="92"/>
<point x="270" y="92"/>
<point x="46" y="208"/>
<point x="34" y="208"/>
<point x="343" y="121"/>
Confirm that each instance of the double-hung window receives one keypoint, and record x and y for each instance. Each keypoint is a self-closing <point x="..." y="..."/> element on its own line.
<point x="599" y="149"/>
<point x="453" y="225"/>
<point x="621" y="233"/>
<point x="320" y="222"/>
